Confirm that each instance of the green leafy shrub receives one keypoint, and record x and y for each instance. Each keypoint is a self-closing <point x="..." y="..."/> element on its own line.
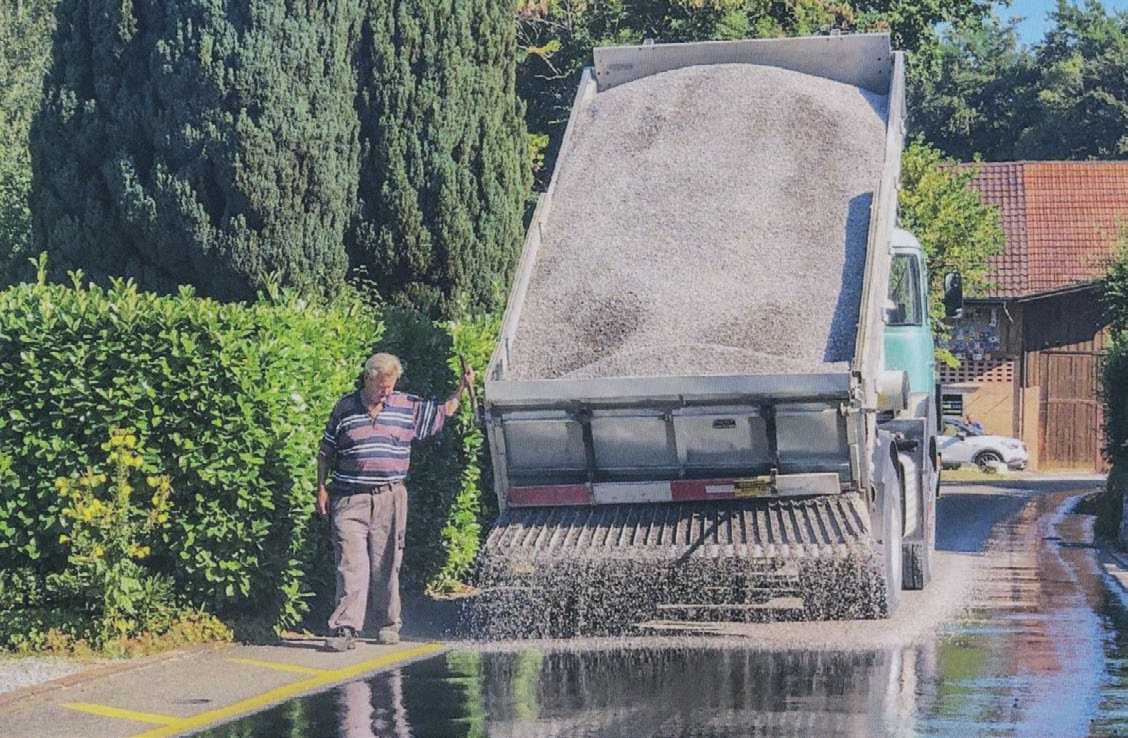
<point x="1107" y="505"/>
<point x="1115" y="399"/>
<point x="474" y="503"/>
<point x="106" y="527"/>
<point x="229" y="400"/>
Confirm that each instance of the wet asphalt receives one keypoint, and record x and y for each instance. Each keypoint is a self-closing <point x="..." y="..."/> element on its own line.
<point x="1036" y="646"/>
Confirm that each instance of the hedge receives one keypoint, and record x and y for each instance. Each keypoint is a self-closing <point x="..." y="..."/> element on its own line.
<point x="1108" y="507"/>
<point x="1115" y="399"/>
<point x="230" y="401"/>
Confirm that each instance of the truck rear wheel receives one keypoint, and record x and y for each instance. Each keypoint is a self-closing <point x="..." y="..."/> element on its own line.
<point x="917" y="559"/>
<point x="919" y="554"/>
<point x="917" y="565"/>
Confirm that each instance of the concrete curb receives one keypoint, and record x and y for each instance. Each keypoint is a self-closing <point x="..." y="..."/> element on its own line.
<point x="8" y="699"/>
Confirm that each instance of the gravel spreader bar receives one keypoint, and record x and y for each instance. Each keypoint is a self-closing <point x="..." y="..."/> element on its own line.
<point x="567" y="571"/>
<point x="827" y="526"/>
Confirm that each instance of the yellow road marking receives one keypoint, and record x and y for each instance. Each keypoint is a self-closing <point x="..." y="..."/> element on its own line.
<point x="204" y="719"/>
<point x="116" y="712"/>
<point x="280" y="667"/>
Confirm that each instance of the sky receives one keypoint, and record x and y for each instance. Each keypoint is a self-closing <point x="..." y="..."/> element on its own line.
<point x="1034" y="27"/>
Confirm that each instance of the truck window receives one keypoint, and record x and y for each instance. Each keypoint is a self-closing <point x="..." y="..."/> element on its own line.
<point x="904" y="290"/>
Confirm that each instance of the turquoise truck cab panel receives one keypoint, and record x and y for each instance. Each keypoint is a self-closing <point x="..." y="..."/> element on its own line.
<point x="909" y="345"/>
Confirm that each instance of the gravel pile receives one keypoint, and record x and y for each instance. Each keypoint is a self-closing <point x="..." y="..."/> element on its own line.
<point x="707" y="220"/>
<point x="599" y="597"/>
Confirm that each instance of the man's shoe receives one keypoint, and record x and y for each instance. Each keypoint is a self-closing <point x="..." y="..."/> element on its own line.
<point x="344" y="639"/>
<point x="388" y="637"/>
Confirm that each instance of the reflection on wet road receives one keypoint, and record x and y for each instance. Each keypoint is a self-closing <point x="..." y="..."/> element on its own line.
<point x="1040" y="652"/>
<point x="1030" y="659"/>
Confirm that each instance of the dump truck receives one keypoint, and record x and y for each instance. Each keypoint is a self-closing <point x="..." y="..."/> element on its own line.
<point x="727" y="477"/>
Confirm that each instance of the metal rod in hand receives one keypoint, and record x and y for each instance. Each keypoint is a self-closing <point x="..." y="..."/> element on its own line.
<point x="473" y="394"/>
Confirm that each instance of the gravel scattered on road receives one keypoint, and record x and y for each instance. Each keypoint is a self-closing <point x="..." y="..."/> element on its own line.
<point x="707" y="220"/>
<point x="21" y="672"/>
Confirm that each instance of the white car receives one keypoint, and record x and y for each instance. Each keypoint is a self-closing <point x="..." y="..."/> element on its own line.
<point x="963" y="444"/>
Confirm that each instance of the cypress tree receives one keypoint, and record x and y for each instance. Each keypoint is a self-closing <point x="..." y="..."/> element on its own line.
<point x="25" y="50"/>
<point x="203" y="142"/>
<point x="443" y="172"/>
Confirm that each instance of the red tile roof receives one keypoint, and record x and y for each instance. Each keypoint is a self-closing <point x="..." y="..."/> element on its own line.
<point x="1060" y="219"/>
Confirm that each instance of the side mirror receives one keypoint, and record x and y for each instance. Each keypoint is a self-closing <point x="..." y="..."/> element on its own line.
<point x="890" y="311"/>
<point x="953" y="295"/>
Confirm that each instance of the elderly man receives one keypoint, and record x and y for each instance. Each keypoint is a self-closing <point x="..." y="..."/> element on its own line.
<point x="367" y="447"/>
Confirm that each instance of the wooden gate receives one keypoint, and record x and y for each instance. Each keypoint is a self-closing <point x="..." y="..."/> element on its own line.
<point x="1071" y="410"/>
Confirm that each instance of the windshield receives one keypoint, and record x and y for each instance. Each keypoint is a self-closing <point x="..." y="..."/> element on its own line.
<point x="955" y="427"/>
<point x="904" y="291"/>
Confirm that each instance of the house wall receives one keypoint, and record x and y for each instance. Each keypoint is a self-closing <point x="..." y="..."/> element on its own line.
<point x="987" y="341"/>
<point x="1031" y="369"/>
<point x="992" y="404"/>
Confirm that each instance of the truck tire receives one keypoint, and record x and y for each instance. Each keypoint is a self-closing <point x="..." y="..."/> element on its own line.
<point x="920" y="554"/>
<point x="891" y="549"/>
<point x="917" y="565"/>
<point x="917" y="553"/>
<point x="937" y="462"/>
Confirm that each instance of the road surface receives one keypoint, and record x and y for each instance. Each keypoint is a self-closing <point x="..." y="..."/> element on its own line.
<point x="1018" y="636"/>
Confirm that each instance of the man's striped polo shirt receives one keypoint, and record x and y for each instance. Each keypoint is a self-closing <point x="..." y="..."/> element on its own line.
<point x="365" y="451"/>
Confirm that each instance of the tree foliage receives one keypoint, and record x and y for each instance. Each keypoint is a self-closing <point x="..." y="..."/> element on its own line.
<point x="1065" y="98"/>
<point x="190" y="142"/>
<point x="25" y="49"/>
<point x="1084" y="87"/>
<point x="1113" y="291"/>
<point x="1113" y="288"/>
<point x="978" y="93"/>
<point x="958" y="231"/>
<point x="444" y="169"/>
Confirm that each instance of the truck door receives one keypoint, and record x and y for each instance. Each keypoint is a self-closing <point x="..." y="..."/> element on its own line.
<point x="908" y="337"/>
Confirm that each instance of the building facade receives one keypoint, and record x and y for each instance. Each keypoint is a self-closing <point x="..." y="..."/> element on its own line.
<point x="1030" y="347"/>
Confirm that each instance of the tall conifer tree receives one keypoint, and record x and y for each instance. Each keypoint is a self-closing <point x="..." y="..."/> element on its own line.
<point x="199" y="142"/>
<point x="25" y="50"/>
<point x="444" y="175"/>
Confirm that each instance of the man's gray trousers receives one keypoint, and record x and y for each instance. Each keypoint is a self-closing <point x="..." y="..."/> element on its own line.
<point x="368" y="537"/>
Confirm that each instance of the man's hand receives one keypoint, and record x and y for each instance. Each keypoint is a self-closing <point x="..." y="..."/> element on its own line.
<point x="323" y="501"/>
<point x="465" y="383"/>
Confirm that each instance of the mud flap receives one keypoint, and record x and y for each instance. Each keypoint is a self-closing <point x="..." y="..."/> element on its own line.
<point x="889" y="510"/>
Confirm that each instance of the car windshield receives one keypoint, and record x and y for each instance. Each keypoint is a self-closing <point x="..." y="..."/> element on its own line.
<point x="952" y="427"/>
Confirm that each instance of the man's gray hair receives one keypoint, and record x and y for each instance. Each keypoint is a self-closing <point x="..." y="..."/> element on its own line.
<point x="383" y="365"/>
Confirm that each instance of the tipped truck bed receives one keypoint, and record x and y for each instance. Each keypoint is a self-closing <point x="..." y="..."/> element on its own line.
<point x="736" y="496"/>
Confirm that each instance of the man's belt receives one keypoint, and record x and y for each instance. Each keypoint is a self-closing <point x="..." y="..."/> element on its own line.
<point x="376" y="489"/>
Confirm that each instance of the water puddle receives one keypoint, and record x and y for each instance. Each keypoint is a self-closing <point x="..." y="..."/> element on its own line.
<point x="1043" y="650"/>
